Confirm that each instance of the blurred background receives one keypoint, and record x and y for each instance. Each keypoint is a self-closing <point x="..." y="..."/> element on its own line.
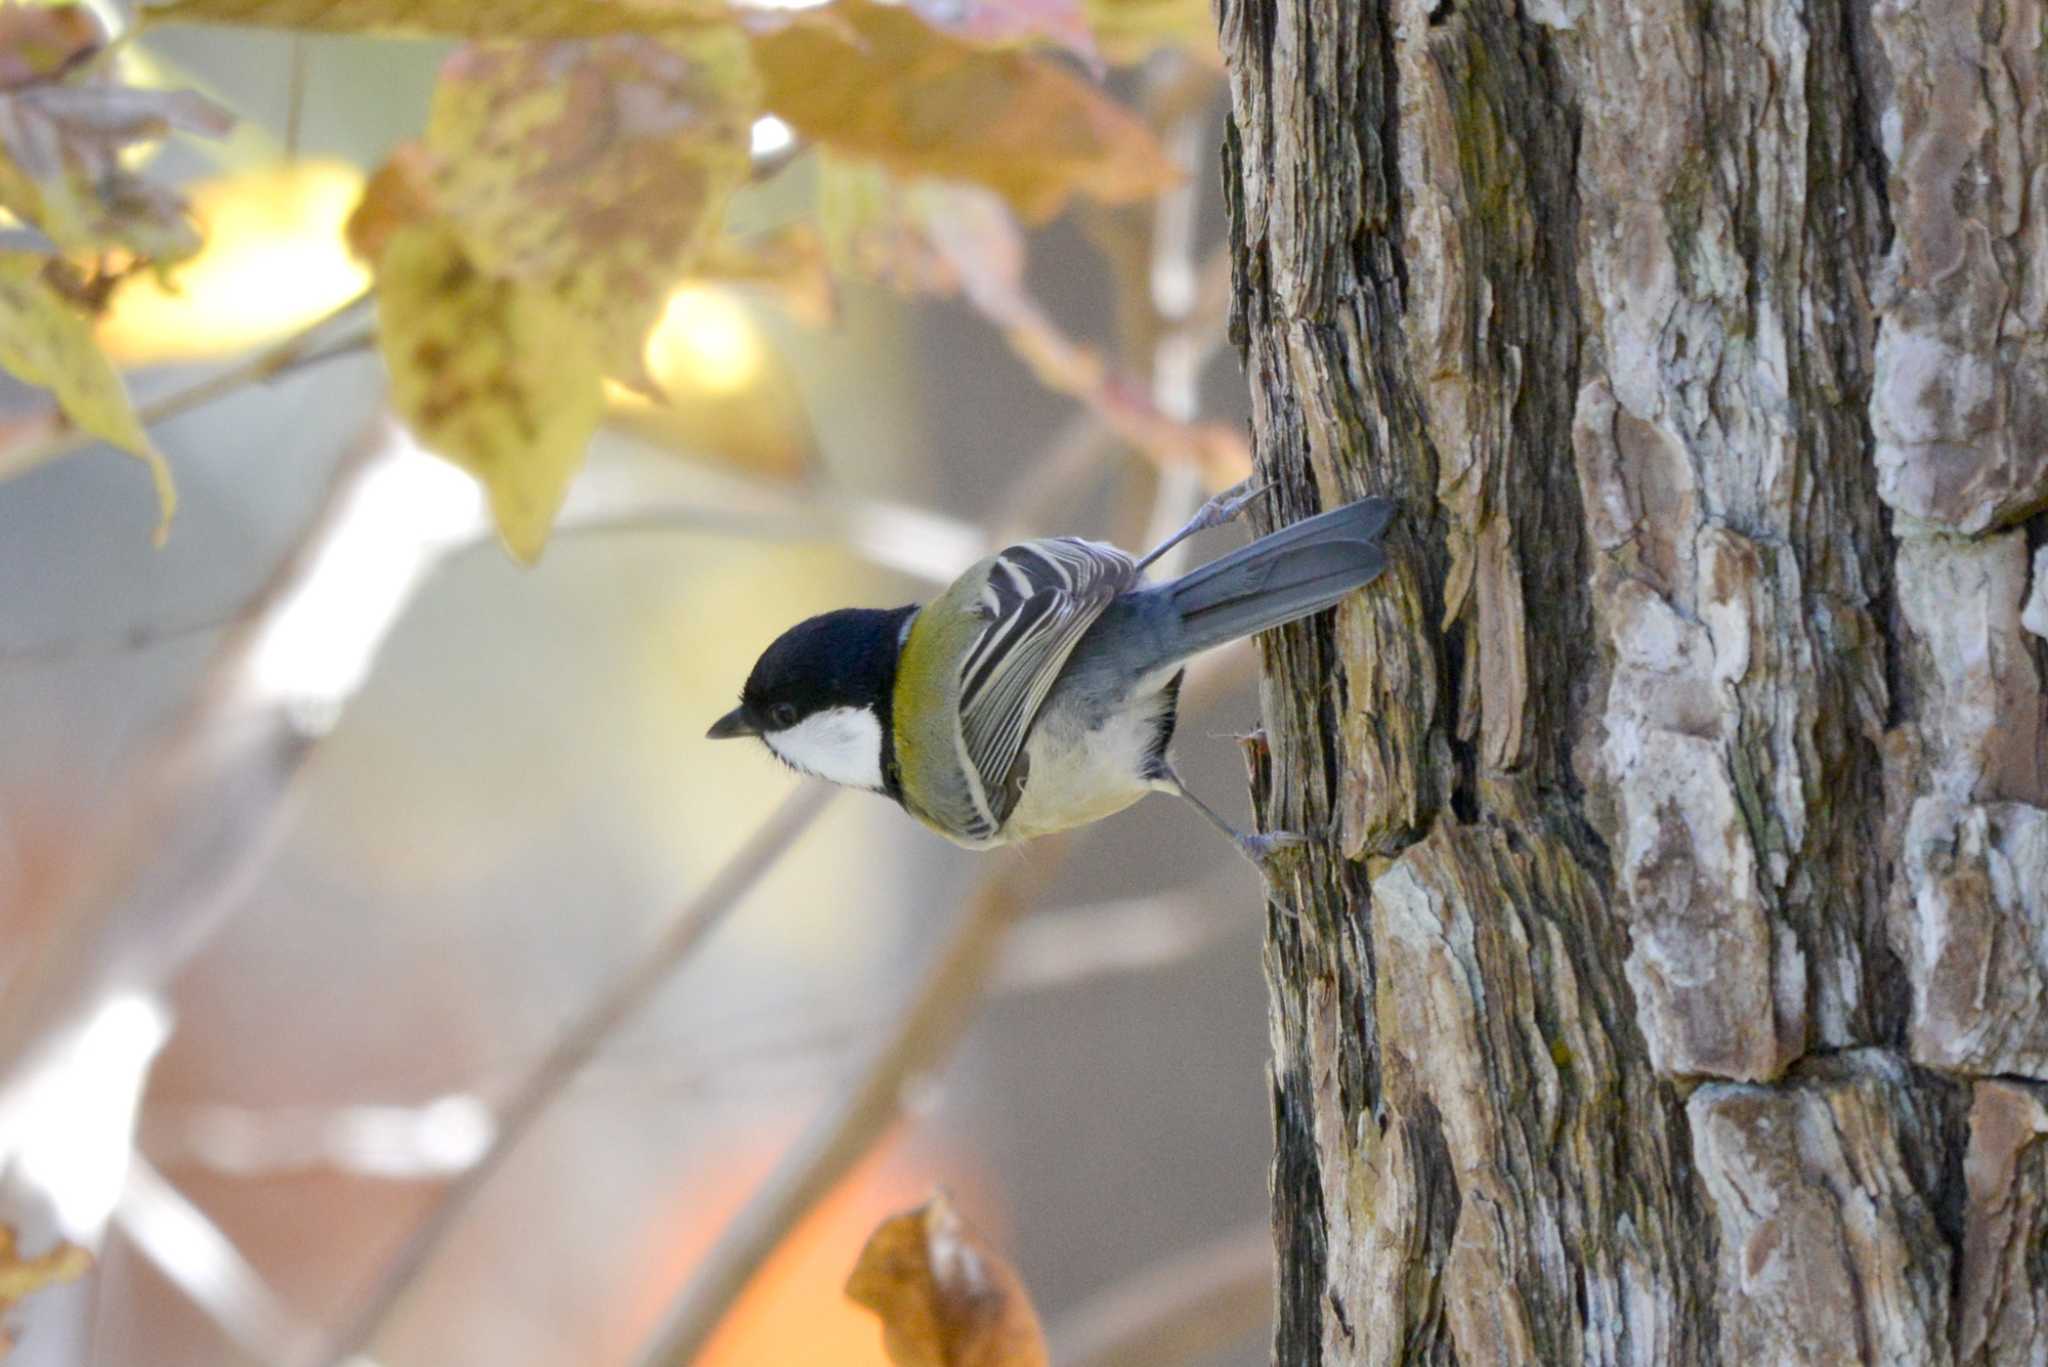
<point x="519" y="799"/>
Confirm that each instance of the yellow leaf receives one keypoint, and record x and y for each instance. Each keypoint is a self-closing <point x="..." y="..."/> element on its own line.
<point x="1129" y="31"/>
<point x="945" y="1297"/>
<point x="878" y="81"/>
<point x="597" y="169"/>
<point x="273" y="261"/>
<point x="22" y="1277"/>
<point x="46" y="343"/>
<point x="445" y="18"/>
<point x="498" y="376"/>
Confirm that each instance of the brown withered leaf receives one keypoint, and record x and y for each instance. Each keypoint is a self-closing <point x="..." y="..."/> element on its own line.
<point x="877" y="81"/>
<point x="945" y="1297"/>
<point x="22" y="1277"/>
<point x="596" y="169"/>
<point x="39" y="42"/>
<point x="496" y="375"/>
<point x="397" y="196"/>
<point x="65" y="122"/>
<point x="47" y="342"/>
<point x="445" y="18"/>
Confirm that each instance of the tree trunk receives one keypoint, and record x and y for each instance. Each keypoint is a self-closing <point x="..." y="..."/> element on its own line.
<point x="1668" y="979"/>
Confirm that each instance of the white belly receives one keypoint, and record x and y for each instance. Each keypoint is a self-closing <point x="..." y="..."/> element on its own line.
<point x="1078" y="776"/>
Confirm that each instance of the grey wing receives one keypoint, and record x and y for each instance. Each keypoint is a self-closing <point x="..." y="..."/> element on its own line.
<point x="1040" y="598"/>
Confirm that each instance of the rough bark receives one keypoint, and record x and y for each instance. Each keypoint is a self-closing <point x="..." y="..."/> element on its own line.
<point x="1669" y="976"/>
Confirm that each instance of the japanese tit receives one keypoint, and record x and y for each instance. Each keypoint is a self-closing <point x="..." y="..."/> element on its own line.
<point x="1039" y="691"/>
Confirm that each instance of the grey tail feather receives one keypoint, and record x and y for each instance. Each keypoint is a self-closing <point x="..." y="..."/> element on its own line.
<point x="1279" y="578"/>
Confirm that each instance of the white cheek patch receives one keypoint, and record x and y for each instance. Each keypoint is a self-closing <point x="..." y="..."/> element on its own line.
<point x="843" y="744"/>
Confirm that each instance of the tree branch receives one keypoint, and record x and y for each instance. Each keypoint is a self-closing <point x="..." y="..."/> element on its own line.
<point x="195" y="1255"/>
<point x="230" y="753"/>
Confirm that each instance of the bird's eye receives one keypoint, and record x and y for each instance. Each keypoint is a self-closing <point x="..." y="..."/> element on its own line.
<point x="782" y="716"/>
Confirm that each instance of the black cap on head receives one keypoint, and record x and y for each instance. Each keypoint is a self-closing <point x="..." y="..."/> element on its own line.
<point x="838" y="659"/>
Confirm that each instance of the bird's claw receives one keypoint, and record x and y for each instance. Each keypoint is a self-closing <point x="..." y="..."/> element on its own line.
<point x="1263" y="847"/>
<point x="1226" y="507"/>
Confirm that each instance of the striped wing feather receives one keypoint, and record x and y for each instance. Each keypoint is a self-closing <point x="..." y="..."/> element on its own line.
<point x="1040" y="598"/>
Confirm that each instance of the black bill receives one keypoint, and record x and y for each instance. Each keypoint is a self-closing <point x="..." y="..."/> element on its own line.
<point x="733" y="723"/>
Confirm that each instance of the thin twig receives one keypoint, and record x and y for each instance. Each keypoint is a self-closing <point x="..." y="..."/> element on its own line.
<point x="295" y="98"/>
<point x="197" y="1257"/>
<point x="1172" y="289"/>
<point x="1178" y="1311"/>
<point x="931" y="1024"/>
<point x="704" y="913"/>
<point x="57" y="436"/>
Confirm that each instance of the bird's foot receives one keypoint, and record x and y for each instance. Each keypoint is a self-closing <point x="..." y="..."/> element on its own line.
<point x="1219" y="511"/>
<point x="1226" y="507"/>
<point x="1264" y="847"/>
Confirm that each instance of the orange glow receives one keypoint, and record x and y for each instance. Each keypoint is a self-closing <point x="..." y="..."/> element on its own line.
<point x="795" y="1311"/>
<point x="704" y="342"/>
<point x="274" y="260"/>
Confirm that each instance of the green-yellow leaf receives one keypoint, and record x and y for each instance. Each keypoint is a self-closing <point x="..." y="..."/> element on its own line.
<point x="45" y="342"/>
<point x="877" y="81"/>
<point x="445" y="18"/>
<point x="496" y="375"/>
<point x="598" y="169"/>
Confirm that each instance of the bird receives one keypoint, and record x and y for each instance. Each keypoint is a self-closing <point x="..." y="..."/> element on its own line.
<point x="1039" y="692"/>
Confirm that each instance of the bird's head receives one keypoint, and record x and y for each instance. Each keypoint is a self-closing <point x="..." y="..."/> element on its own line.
<point x="820" y="696"/>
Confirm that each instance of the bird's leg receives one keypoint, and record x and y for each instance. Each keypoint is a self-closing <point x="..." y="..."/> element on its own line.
<point x="1219" y="511"/>
<point x="1255" y="846"/>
